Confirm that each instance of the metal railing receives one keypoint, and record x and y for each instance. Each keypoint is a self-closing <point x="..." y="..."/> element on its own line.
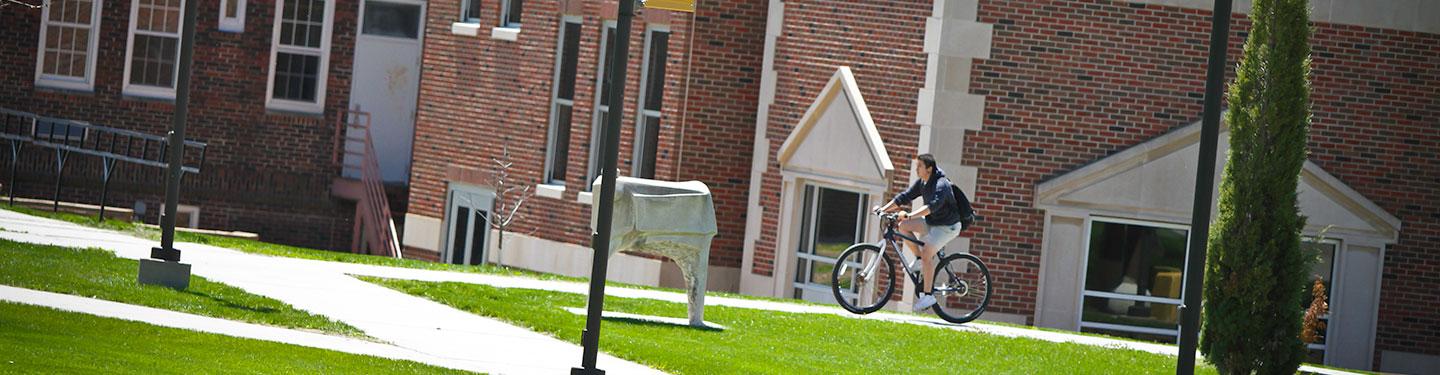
<point x="68" y="137"/>
<point x="355" y="155"/>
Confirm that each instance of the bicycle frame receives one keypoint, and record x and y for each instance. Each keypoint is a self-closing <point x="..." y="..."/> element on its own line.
<point x="891" y="240"/>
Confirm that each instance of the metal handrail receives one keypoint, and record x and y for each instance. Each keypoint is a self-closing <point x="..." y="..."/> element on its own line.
<point x="374" y="227"/>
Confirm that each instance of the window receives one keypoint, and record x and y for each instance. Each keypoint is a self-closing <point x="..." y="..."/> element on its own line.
<point x="232" y="15"/>
<point x="467" y="218"/>
<point x="68" y="35"/>
<point x="510" y="13"/>
<point x="299" y="55"/>
<point x="652" y="93"/>
<point x="470" y="11"/>
<point x="563" y="102"/>
<point x="832" y="220"/>
<point x="152" y="61"/>
<point x="1323" y="270"/>
<point x="1134" y="274"/>
<point x="58" y="132"/>
<point x="602" y="103"/>
<point x="388" y="19"/>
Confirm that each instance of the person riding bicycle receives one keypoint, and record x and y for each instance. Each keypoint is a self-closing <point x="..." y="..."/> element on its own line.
<point x="937" y="221"/>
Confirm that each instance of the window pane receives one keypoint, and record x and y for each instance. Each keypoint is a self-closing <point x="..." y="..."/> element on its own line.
<point x="1131" y="313"/>
<point x="655" y="78"/>
<point x="457" y="242"/>
<point x="837" y="212"/>
<point x="477" y="237"/>
<point x="512" y="17"/>
<point x="66" y="50"/>
<point x="392" y="19"/>
<point x="296" y="76"/>
<point x="649" y="143"/>
<point x="569" y="54"/>
<point x="472" y="10"/>
<point x="302" y="23"/>
<point x="560" y="145"/>
<point x="607" y="57"/>
<point x="232" y="8"/>
<point x="152" y="62"/>
<point x="1135" y="259"/>
<point x="599" y="137"/>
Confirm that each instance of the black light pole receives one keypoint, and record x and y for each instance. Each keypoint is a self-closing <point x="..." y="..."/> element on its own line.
<point x="165" y="268"/>
<point x="610" y="145"/>
<point x="1204" y="187"/>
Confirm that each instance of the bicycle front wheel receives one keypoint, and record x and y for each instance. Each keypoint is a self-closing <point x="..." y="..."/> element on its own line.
<point x="962" y="288"/>
<point x="863" y="279"/>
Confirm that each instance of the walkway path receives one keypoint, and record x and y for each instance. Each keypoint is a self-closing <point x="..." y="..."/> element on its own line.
<point x="444" y="335"/>
<point x="323" y="288"/>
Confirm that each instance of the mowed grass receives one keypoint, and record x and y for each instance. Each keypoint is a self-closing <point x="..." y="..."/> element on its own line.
<point x="100" y="274"/>
<point x="41" y="340"/>
<point x="759" y="341"/>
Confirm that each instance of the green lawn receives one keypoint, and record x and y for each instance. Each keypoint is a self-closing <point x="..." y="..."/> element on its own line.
<point x="99" y="274"/>
<point x="41" y="340"/>
<point x="770" y="342"/>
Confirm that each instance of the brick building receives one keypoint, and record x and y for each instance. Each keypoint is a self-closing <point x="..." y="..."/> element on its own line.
<point x="265" y="98"/>
<point x="527" y="81"/>
<point x="1073" y="124"/>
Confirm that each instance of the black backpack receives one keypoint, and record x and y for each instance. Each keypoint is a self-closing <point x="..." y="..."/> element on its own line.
<point x="967" y="213"/>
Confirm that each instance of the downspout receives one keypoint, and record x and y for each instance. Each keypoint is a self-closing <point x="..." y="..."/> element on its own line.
<point x="685" y="98"/>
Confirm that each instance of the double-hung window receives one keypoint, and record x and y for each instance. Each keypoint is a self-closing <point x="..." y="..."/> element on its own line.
<point x="652" y="94"/>
<point x="510" y="12"/>
<point x="68" y="33"/>
<point x="563" y="101"/>
<point x="153" y="59"/>
<point x="299" y="55"/>
<point x="602" y="103"/>
<point x="232" y="15"/>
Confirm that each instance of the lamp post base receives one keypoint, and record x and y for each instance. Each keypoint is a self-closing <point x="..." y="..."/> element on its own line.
<point x="581" y="371"/>
<point x="174" y="275"/>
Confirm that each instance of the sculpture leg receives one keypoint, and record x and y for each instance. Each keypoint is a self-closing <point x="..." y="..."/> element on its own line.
<point x="696" y="277"/>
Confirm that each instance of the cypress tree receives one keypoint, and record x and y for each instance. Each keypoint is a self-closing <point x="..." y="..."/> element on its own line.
<point x="1256" y="272"/>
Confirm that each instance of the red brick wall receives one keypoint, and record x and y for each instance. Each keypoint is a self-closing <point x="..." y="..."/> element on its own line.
<point x="882" y="45"/>
<point x="480" y="95"/>
<point x="1069" y="82"/>
<point x="265" y="172"/>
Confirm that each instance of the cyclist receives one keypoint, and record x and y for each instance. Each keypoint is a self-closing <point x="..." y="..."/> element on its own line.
<point x="936" y="222"/>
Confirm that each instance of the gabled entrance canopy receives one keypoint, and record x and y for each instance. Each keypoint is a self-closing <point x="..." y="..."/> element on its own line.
<point x="837" y="139"/>
<point x="1156" y="180"/>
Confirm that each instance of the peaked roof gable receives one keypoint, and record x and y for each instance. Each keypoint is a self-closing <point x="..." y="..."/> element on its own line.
<point x="1157" y="179"/>
<point x="837" y="140"/>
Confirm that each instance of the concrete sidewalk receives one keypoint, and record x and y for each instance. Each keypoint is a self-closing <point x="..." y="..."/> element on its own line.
<point x="444" y="335"/>
<point x="304" y="284"/>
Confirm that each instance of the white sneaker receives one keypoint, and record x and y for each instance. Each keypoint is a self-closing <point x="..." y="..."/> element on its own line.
<point x="924" y="302"/>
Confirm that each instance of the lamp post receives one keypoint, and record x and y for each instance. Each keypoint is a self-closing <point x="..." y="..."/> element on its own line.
<point x="164" y="267"/>
<point x="1204" y="187"/>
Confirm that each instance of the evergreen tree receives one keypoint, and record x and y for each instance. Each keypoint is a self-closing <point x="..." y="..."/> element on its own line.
<point x="1256" y="272"/>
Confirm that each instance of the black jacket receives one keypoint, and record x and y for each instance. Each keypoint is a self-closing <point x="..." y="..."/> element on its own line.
<point x="937" y="194"/>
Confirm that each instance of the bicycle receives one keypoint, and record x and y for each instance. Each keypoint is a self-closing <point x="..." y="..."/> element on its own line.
<point x="862" y="285"/>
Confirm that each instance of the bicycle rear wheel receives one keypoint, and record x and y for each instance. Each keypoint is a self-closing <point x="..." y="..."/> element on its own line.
<point x="863" y="279"/>
<point x="962" y="288"/>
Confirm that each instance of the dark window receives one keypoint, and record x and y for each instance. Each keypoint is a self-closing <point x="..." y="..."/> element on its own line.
<point x="471" y="11"/>
<point x="477" y="237"/>
<point x="296" y="76"/>
<point x="564" y="102"/>
<point x="392" y="19"/>
<point x="513" y="9"/>
<point x="457" y="242"/>
<point x="648" y="129"/>
<point x="569" y="57"/>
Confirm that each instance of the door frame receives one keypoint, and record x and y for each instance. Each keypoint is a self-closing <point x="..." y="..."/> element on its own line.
<point x="487" y="196"/>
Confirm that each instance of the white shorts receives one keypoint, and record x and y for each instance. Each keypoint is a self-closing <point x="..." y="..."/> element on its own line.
<point x="938" y="235"/>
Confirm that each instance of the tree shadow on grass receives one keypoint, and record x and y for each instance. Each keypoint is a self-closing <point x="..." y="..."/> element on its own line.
<point x="645" y="322"/>
<point x="228" y="303"/>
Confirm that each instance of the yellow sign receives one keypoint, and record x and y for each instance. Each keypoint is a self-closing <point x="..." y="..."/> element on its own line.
<point x="687" y="6"/>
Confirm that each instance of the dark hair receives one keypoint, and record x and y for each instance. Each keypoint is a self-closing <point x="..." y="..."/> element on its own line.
<point x="928" y="160"/>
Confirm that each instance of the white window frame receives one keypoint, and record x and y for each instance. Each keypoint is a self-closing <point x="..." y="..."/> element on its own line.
<point x="1085" y="268"/>
<point x="1339" y="246"/>
<point x="596" y="119"/>
<point x="322" y="75"/>
<point x="148" y="91"/>
<point x="86" y="83"/>
<point x="505" y="14"/>
<point x="807" y="233"/>
<point x="640" y="112"/>
<point x="233" y="24"/>
<point x="556" y="101"/>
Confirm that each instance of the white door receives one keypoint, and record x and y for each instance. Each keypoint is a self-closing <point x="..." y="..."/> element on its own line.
<point x="387" y="78"/>
<point x="467" y="222"/>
